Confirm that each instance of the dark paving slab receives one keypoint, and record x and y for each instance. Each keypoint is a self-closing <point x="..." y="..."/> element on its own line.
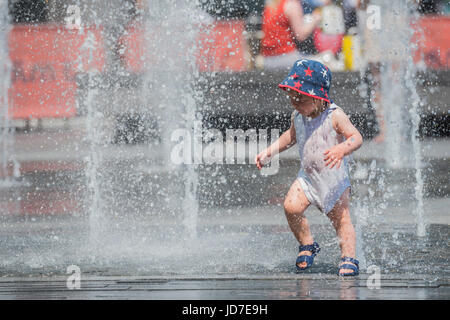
<point x="275" y="287"/>
<point x="227" y="262"/>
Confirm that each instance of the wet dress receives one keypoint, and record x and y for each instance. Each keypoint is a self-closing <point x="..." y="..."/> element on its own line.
<point x="322" y="186"/>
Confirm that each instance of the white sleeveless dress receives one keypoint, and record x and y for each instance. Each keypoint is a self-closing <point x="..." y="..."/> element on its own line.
<point x="322" y="186"/>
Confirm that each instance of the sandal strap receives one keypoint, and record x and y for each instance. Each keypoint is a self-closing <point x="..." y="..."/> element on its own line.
<point x="349" y="266"/>
<point x="308" y="259"/>
<point x="352" y="260"/>
<point x="313" y="248"/>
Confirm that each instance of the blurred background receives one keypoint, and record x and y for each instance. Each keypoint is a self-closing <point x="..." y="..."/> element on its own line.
<point x="229" y="43"/>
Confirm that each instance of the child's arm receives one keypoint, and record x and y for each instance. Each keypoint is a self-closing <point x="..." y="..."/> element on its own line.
<point x="285" y="141"/>
<point x="354" y="140"/>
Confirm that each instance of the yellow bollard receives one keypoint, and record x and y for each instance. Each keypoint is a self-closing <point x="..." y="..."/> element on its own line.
<point x="347" y="50"/>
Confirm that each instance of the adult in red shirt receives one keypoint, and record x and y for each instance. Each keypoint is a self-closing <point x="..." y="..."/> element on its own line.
<point x="283" y="22"/>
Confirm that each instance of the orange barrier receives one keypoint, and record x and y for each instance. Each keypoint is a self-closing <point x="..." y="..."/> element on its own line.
<point x="221" y="46"/>
<point x="45" y="60"/>
<point x="432" y="36"/>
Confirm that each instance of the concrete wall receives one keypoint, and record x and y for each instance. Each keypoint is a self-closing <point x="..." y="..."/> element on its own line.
<point x="253" y="100"/>
<point x="257" y="92"/>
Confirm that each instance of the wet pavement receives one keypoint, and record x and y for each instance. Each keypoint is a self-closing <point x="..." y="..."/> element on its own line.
<point x="273" y="287"/>
<point x="145" y="243"/>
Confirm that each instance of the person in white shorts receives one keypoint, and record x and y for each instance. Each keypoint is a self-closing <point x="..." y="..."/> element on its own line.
<point x="325" y="138"/>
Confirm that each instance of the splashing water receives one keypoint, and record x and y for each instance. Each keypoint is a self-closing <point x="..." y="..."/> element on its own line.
<point x="171" y="32"/>
<point x="6" y="133"/>
<point x="363" y="207"/>
<point x="410" y="84"/>
<point x="399" y="101"/>
<point x="94" y="140"/>
<point x="167" y="92"/>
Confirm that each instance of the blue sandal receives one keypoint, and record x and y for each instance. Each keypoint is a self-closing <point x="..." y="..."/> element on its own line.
<point x="354" y="267"/>
<point x="314" y="249"/>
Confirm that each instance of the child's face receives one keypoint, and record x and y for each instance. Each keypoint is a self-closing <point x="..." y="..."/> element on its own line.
<point x="304" y="104"/>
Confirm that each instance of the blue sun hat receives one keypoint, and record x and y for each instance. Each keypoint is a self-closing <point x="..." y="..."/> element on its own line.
<point x="309" y="77"/>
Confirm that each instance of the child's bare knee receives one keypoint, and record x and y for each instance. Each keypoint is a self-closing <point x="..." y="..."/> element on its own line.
<point x="340" y="217"/>
<point x="292" y="207"/>
<point x="287" y="205"/>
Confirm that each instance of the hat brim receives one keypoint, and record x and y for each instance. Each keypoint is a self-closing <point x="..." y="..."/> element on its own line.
<point x="284" y="86"/>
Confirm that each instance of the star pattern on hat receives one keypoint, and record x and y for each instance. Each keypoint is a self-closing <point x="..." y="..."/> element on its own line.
<point x="309" y="72"/>
<point x="309" y="77"/>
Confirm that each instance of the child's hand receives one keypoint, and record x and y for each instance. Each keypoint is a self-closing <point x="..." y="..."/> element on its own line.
<point x="262" y="158"/>
<point x="334" y="156"/>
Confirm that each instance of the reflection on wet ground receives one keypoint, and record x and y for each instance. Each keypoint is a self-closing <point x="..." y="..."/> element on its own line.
<point x="48" y="247"/>
<point x="277" y="287"/>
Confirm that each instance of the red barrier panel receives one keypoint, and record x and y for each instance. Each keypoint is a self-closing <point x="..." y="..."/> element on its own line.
<point x="432" y="36"/>
<point x="45" y="60"/>
<point x="221" y="46"/>
<point x="133" y="48"/>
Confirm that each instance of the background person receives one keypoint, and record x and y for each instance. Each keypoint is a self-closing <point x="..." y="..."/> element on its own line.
<point x="283" y="24"/>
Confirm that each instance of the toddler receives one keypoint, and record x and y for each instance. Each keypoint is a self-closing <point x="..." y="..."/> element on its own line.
<point x="325" y="137"/>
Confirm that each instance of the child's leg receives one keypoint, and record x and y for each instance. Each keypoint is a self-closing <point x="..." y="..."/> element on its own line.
<point x="295" y="205"/>
<point x="340" y="217"/>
